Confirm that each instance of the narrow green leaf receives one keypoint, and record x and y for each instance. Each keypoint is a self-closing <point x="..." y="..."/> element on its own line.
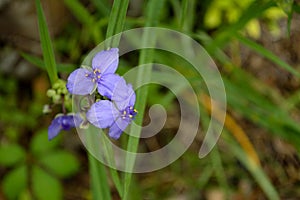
<point x="11" y="154"/>
<point x="256" y="171"/>
<point x="219" y="170"/>
<point x="46" y="44"/>
<point x="152" y="17"/>
<point x="102" y="7"/>
<point x="61" y="163"/>
<point x="268" y="54"/>
<point x="44" y="186"/>
<point x="15" y="182"/>
<point x="255" y="10"/>
<point x="99" y="180"/>
<point x="67" y="68"/>
<point x="80" y="12"/>
<point x="187" y="15"/>
<point x="116" y="21"/>
<point x="100" y="187"/>
<point x="110" y="158"/>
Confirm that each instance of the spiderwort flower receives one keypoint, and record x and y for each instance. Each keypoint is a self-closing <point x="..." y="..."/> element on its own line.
<point x="63" y="122"/>
<point x="104" y="64"/>
<point x="117" y="114"/>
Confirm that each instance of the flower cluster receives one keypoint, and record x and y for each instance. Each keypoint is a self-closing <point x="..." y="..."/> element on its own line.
<point x="115" y="113"/>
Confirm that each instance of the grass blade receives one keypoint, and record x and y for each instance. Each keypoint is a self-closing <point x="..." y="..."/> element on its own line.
<point x="266" y="53"/>
<point x="146" y="56"/>
<point x="67" y="68"/>
<point x="48" y="53"/>
<point x="255" y="170"/>
<point x="99" y="181"/>
<point x="253" y="11"/>
<point x="102" y="6"/>
<point x="116" y="21"/>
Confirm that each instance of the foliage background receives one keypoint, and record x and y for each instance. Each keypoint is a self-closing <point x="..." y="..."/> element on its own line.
<point x="256" y="47"/>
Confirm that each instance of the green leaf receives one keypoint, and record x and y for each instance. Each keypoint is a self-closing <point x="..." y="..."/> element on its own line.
<point x="68" y="68"/>
<point x="11" y="154"/>
<point x="224" y="35"/>
<point x="46" y="44"/>
<point x="102" y="7"/>
<point x="44" y="186"/>
<point x="100" y="187"/>
<point x="285" y="5"/>
<point x="152" y="18"/>
<point x="62" y="163"/>
<point x="116" y="21"/>
<point x="15" y="182"/>
<point x="266" y="53"/>
<point x="255" y="170"/>
<point x="40" y="143"/>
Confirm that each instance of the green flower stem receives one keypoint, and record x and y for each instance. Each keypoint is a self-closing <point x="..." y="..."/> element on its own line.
<point x="115" y="25"/>
<point x="144" y="75"/>
<point x="99" y="181"/>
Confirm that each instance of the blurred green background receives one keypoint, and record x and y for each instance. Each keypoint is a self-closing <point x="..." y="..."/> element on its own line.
<point x="255" y="45"/>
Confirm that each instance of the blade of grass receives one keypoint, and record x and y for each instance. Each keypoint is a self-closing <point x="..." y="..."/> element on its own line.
<point x="111" y="161"/>
<point x="219" y="170"/>
<point x="115" y="25"/>
<point x="99" y="181"/>
<point x="257" y="104"/>
<point x="187" y="15"/>
<point x="253" y="11"/>
<point x="67" y="68"/>
<point x="80" y="12"/>
<point x="117" y="19"/>
<point x="102" y="7"/>
<point x="143" y="75"/>
<point x="85" y="18"/>
<point x="255" y="170"/>
<point x="266" y="53"/>
<point x="46" y="44"/>
<point x="184" y="11"/>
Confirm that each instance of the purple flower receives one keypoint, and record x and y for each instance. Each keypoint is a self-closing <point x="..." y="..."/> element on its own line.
<point x="63" y="122"/>
<point x="116" y="114"/>
<point x="104" y="64"/>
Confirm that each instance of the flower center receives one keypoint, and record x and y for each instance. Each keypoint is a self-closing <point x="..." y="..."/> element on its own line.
<point x="95" y="75"/>
<point x="128" y="113"/>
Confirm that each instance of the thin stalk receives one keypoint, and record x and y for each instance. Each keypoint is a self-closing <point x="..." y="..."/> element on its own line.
<point x="46" y="44"/>
<point x="143" y="75"/>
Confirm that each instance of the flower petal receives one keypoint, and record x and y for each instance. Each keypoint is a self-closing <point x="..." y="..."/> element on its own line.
<point x="107" y="84"/>
<point x="54" y="128"/>
<point x="102" y="114"/>
<point x="117" y="128"/>
<point x="123" y="95"/>
<point x="107" y="61"/>
<point x="132" y="96"/>
<point x="71" y="120"/>
<point x="79" y="84"/>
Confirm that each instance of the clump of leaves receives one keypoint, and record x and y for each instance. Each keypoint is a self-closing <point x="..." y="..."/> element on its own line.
<point x="36" y="173"/>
